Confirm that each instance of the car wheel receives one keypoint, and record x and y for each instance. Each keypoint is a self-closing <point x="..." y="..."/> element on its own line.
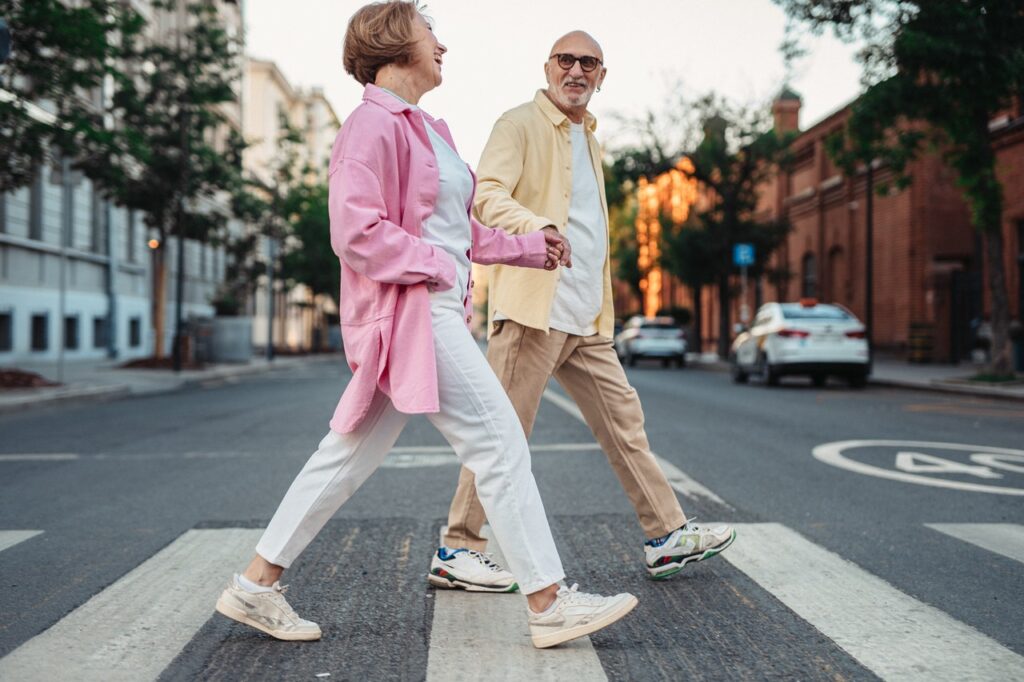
<point x="738" y="375"/>
<point x="769" y="374"/>
<point x="666" y="362"/>
<point x="819" y="380"/>
<point x="681" y="361"/>
<point x="858" y="380"/>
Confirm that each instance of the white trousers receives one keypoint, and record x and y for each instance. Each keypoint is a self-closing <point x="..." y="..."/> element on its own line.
<point x="478" y="421"/>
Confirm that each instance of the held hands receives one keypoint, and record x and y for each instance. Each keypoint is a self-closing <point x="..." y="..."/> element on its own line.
<point x="559" y="250"/>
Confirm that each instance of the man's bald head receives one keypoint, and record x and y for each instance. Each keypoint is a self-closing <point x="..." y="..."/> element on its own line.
<point x="570" y="89"/>
<point x="574" y="39"/>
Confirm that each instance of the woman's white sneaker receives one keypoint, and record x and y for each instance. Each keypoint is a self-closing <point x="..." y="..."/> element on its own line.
<point x="266" y="611"/>
<point x="575" y="614"/>
<point x="469" y="570"/>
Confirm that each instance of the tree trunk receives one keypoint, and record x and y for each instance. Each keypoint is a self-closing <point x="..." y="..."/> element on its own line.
<point x="1001" y="356"/>
<point x="697" y="345"/>
<point x="159" y="289"/>
<point x="724" y="317"/>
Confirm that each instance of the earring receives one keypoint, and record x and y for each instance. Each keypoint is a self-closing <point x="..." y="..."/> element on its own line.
<point x="599" y="88"/>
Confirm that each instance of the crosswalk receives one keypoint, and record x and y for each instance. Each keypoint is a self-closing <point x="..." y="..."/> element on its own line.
<point x="130" y="631"/>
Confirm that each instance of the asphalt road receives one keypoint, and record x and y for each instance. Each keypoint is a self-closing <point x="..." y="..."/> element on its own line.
<point x="902" y="547"/>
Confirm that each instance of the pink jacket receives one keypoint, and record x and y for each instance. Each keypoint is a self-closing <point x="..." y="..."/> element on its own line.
<point x="383" y="185"/>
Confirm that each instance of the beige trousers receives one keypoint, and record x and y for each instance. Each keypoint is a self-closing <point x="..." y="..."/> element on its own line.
<point x="587" y="368"/>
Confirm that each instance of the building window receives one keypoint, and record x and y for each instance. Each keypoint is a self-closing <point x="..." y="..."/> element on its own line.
<point x="135" y="332"/>
<point x="3" y="212"/>
<point x="35" y="208"/>
<point x="6" y="332"/>
<point x="97" y="224"/>
<point x="40" y="332"/>
<point x="99" y="332"/>
<point x="131" y="236"/>
<point x="809" y="281"/>
<point x="71" y="332"/>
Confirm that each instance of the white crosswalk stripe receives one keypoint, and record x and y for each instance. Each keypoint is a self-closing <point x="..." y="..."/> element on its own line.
<point x="135" y="627"/>
<point x="1002" y="538"/>
<point x="472" y="639"/>
<point x="10" y="538"/>
<point x="890" y="633"/>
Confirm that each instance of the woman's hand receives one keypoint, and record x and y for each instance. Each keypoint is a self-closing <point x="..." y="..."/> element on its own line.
<point x="559" y="250"/>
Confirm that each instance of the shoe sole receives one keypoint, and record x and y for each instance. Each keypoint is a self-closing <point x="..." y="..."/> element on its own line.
<point x="453" y="584"/>
<point x="239" y="616"/>
<point x="556" y="638"/>
<point x="669" y="570"/>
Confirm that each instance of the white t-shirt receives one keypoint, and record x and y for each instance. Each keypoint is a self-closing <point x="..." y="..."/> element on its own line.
<point x="580" y="290"/>
<point x="448" y="226"/>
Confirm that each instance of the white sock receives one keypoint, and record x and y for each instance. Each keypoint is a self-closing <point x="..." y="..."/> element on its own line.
<point x="250" y="586"/>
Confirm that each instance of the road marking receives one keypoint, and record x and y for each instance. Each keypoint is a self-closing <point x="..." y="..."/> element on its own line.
<point x="133" y="629"/>
<point x="410" y="457"/>
<point x="832" y="453"/>
<point x="39" y="457"/>
<point x="887" y="631"/>
<point x="676" y="478"/>
<point x="964" y="410"/>
<point x="10" y="538"/>
<point x="1002" y="538"/>
<point x="470" y="640"/>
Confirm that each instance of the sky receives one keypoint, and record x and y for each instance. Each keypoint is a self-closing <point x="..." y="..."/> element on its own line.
<point x="497" y="48"/>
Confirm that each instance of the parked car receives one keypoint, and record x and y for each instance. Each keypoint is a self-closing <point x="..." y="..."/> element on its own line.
<point x="805" y="338"/>
<point x="651" y="337"/>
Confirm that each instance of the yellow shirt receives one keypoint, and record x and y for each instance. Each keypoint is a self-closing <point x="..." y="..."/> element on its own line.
<point x="525" y="184"/>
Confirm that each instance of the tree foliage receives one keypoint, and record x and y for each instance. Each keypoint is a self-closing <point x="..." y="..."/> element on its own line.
<point x="949" y="64"/>
<point x="60" y="58"/>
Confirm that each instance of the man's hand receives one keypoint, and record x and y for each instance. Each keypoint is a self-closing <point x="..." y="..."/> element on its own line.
<point x="559" y="250"/>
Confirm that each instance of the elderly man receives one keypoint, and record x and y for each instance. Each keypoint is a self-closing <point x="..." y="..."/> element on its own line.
<point x="541" y="169"/>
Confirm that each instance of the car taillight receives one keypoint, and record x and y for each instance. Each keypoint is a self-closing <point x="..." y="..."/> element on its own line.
<point x="793" y="333"/>
<point x="856" y="334"/>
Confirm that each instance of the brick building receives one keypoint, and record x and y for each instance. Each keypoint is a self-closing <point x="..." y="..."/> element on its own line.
<point x="929" y="278"/>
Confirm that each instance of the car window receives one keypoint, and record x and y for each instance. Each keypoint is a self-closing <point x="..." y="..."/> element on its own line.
<point x="795" y="311"/>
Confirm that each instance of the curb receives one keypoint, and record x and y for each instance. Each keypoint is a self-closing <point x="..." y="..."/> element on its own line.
<point x="118" y="391"/>
<point x="69" y="396"/>
<point x="945" y="387"/>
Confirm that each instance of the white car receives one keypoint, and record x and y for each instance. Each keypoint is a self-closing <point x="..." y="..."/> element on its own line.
<point x="806" y="338"/>
<point x="651" y="337"/>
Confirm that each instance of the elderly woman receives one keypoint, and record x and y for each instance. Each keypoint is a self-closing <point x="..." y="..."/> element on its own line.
<point x="400" y="201"/>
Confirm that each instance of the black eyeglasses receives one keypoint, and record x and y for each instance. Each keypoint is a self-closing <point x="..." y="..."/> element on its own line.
<point x="566" y="61"/>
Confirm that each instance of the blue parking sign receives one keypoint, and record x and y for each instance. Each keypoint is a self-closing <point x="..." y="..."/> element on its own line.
<point x="743" y="254"/>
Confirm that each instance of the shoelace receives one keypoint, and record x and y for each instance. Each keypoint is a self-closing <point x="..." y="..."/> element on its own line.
<point x="485" y="560"/>
<point x="572" y="595"/>
<point x="278" y="598"/>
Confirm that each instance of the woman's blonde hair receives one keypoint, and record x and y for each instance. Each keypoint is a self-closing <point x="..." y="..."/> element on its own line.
<point x="378" y="34"/>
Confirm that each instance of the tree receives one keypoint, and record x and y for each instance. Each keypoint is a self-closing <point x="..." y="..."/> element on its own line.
<point x="739" y="152"/>
<point x="60" y="58"/>
<point x="167" y="102"/>
<point x="952" y="65"/>
<point x="311" y="259"/>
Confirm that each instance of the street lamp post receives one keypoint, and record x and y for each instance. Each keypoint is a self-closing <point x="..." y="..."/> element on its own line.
<point x="183" y="186"/>
<point x="869" y="261"/>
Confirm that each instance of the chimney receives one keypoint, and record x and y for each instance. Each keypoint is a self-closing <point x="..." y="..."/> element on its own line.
<point x="786" y="111"/>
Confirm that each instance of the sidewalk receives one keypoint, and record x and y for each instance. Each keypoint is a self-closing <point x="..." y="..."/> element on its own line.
<point x="894" y="371"/>
<point x="102" y="380"/>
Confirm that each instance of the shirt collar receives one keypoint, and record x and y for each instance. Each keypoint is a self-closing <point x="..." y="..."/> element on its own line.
<point x="555" y="114"/>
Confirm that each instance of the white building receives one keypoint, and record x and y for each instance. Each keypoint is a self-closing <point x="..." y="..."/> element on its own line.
<point x="267" y="97"/>
<point x="80" y="282"/>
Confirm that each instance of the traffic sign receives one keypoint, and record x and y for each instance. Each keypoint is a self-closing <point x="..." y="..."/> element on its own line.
<point x="743" y="254"/>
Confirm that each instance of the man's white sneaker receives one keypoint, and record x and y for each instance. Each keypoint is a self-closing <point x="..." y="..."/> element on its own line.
<point x="469" y="570"/>
<point x="692" y="542"/>
<point x="576" y="614"/>
<point x="266" y="611"/>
